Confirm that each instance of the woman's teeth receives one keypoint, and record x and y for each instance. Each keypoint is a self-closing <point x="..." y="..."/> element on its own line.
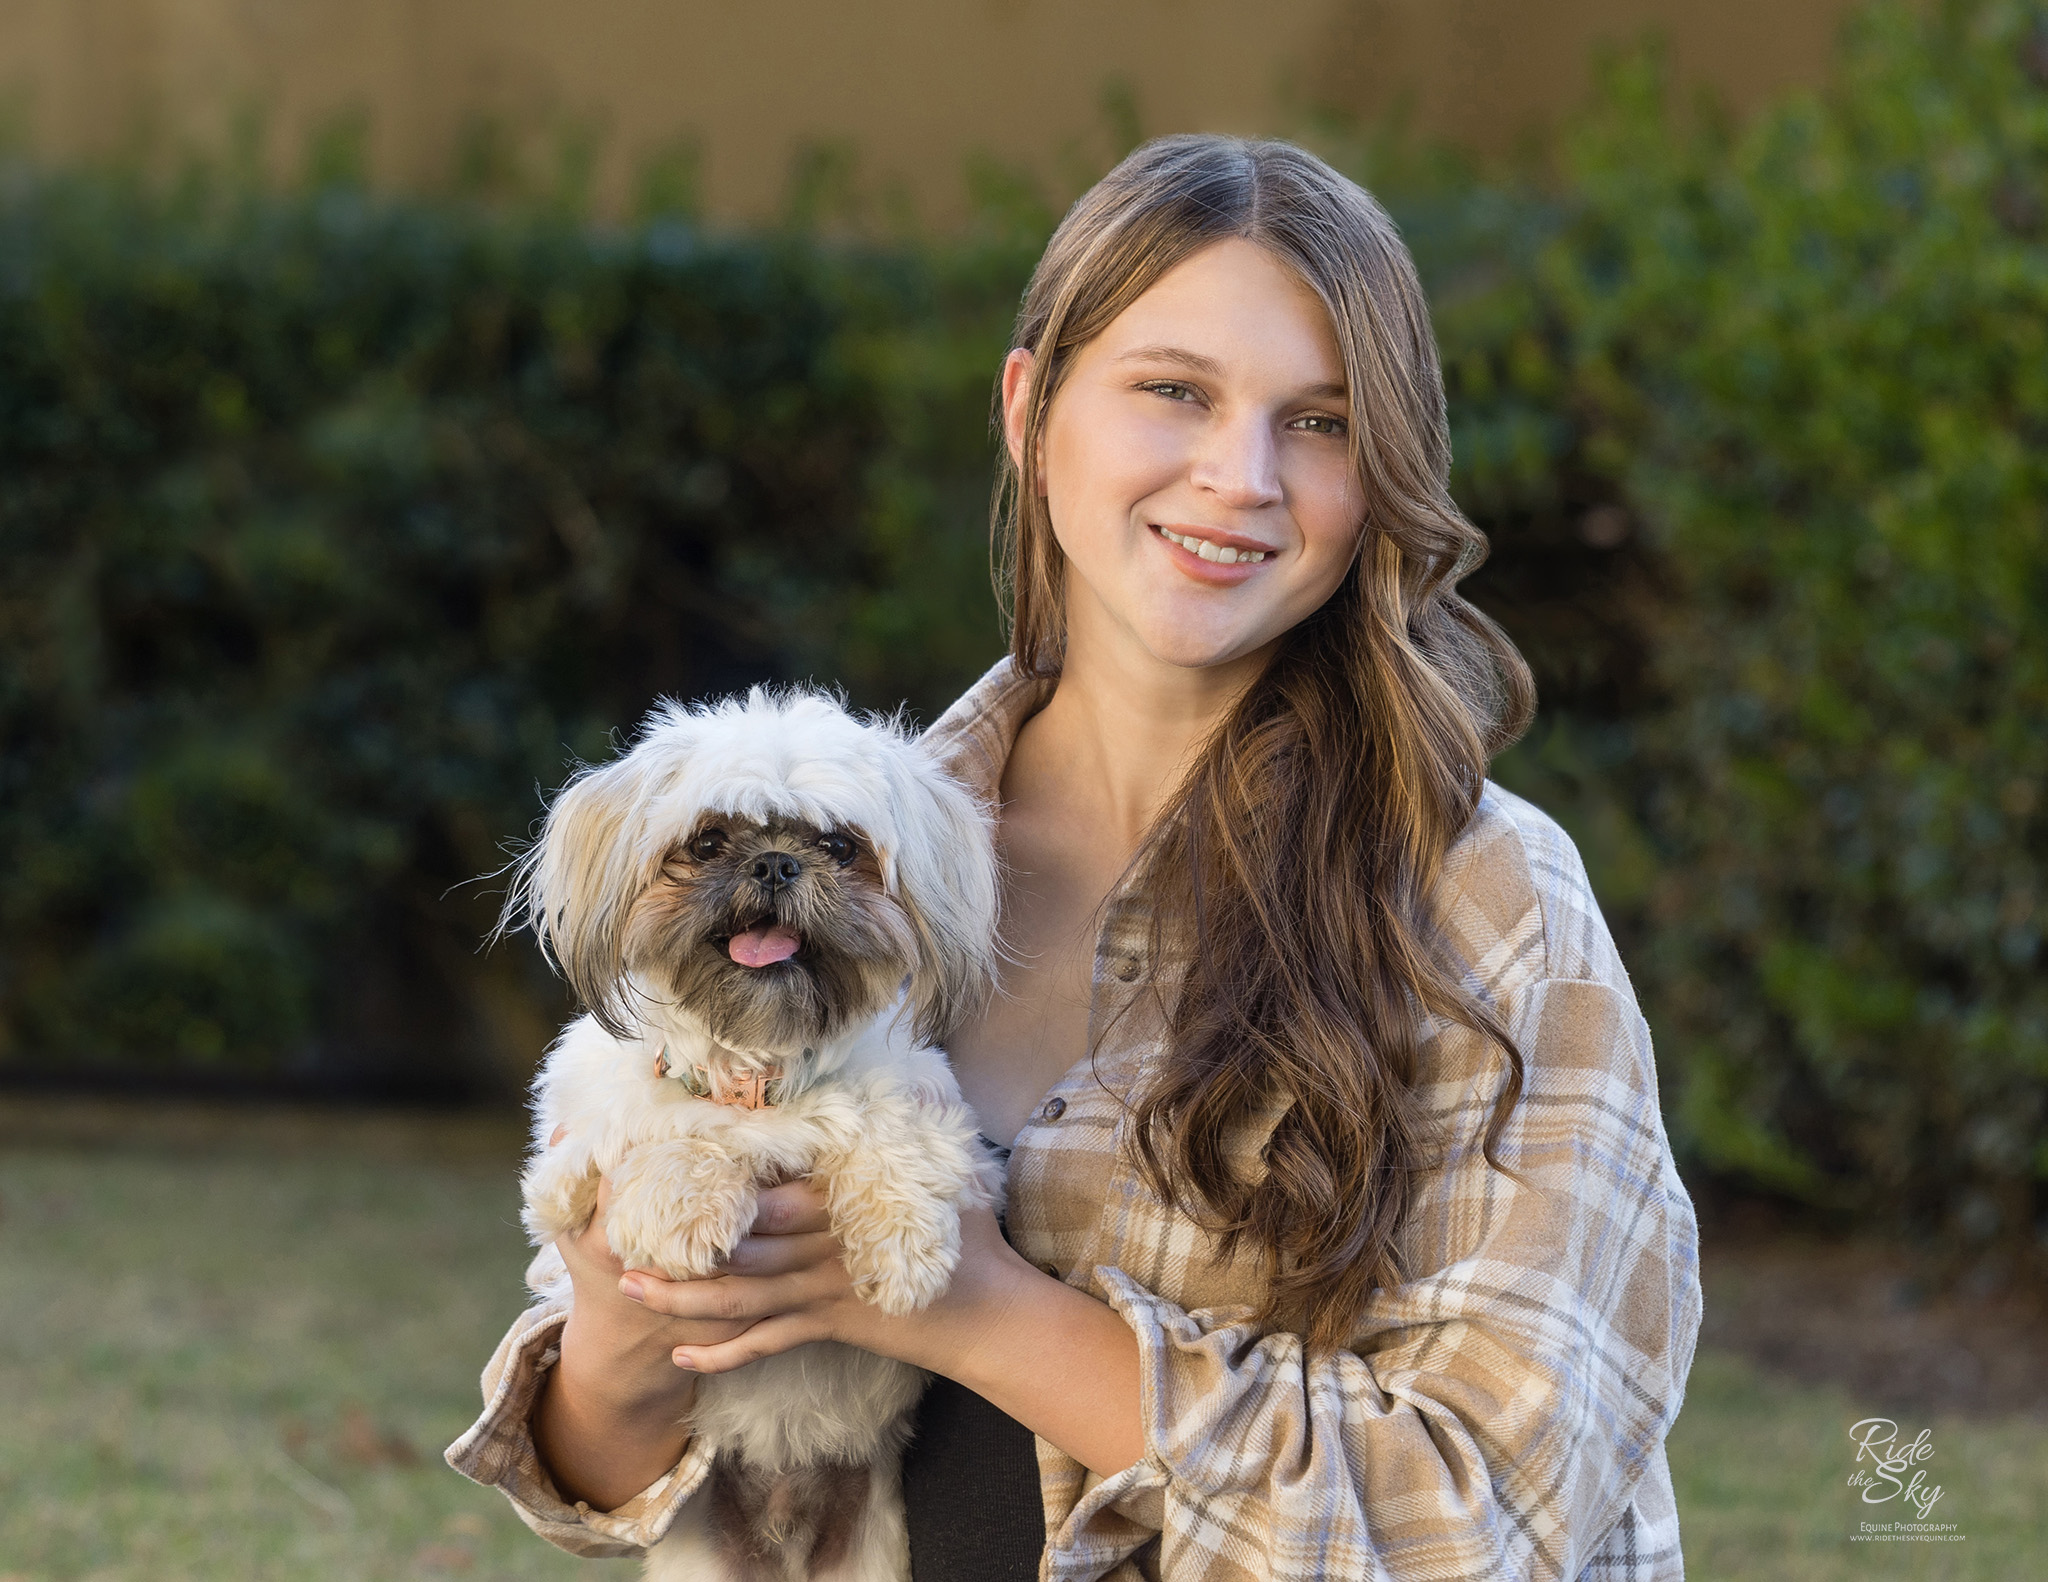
<point x="1222" y="554"/>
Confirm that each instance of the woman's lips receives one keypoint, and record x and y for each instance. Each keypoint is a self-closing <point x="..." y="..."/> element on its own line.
<point x="1245" y="555"/>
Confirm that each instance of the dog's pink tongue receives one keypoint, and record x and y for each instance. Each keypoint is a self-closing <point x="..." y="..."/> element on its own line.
<point x="763" y="947"/>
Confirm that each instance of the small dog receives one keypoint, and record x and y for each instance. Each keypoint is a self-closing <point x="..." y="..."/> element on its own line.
<point x="771" y="910"/>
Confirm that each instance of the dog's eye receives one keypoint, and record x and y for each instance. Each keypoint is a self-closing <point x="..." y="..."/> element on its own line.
<point x="707" y="843"/>
<point x="839" y="847"/>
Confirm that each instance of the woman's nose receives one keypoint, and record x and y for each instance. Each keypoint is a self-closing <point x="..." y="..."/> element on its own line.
<point x="1239" y="462"/>
<point x="774" y="869"/>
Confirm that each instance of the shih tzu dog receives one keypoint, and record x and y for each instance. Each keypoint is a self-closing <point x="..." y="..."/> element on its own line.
<point x="771" y="909"/>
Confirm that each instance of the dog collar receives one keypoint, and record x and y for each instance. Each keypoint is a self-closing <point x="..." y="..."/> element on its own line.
<point x="762" y="1090"/>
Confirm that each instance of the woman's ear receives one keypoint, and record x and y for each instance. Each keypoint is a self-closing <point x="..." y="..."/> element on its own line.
<point x="1017" y="370"/>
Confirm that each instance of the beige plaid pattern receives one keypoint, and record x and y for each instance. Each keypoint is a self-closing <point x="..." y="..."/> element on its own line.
<point x="1501" y="1414"/>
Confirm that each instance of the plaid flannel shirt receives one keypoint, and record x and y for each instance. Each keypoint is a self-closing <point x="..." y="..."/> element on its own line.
<point x="1500" y="1414"/>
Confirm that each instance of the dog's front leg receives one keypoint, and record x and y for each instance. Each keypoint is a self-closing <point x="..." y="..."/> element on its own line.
<point x="679" y="1207"/>
<point x="894" y="1194"/>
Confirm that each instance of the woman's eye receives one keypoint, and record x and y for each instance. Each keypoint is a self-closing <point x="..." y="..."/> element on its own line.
<point x="1322" y="423"/>
<point x="706" y="844"/>
<point x="1173" y="390"/>
<point x="838" y="847"/>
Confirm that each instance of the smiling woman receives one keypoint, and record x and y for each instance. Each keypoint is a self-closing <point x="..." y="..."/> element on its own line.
<point x="1342" y="1234"/>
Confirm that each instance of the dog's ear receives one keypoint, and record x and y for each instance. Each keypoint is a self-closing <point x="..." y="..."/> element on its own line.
<point x="576" y="886"/>
<point x="943" y="872"/>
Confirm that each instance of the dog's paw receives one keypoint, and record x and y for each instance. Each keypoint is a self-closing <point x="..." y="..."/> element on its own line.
<point x="899" y="1257"/>
<point x="547" y="1276"/>
<point x="560" y="1195"/>
<point x="678" y="1209"/>
<point x="904" y="1287"/>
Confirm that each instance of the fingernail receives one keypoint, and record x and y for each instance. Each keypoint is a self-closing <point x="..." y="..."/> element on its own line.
<point x="681" y="1359"/>
<point x="631" y="1287"/>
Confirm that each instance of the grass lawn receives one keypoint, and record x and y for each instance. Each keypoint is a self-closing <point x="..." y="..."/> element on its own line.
<point x="233" y="1345"/>
<point x="223" y="1361"/>
<point x="1762" y="1470"/>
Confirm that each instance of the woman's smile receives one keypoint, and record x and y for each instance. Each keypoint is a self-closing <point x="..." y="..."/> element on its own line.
<point x="1216" y="559"/>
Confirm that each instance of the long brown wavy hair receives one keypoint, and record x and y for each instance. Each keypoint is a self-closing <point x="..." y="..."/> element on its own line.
<point x="1300" y="855"/>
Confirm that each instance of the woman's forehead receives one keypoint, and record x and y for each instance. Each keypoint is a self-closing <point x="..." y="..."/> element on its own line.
<point x="1231" y="308"/>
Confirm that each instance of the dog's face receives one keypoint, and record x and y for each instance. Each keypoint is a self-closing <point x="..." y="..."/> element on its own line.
<point x="772" y="866"/>
<point x="773" y="932"/>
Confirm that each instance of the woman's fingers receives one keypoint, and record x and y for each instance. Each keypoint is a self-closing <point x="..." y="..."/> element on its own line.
<point x="795" y="1208"/>
<point x="762" y="1255"/>
<point x="731" y="1298"/>
<point x="788" y="1266"/>
<point x="766" y="1339"/>
<point x="790" y="1233"/>
<point x="588" y="1248"/>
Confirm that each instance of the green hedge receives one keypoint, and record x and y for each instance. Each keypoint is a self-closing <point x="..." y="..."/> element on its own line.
<point x="336" y="526"/>
<point x="1811" y="359"/>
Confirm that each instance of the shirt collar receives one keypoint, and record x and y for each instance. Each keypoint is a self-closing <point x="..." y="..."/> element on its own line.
<point x="973" y="738"/>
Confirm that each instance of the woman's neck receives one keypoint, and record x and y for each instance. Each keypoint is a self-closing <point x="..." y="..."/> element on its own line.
<point x="1118" y="733"/>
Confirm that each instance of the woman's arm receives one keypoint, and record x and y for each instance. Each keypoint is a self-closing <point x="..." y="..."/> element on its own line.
<point x="613" y="1412"/>
<point x="602" y="1417"/>
<point x="1059" y="1361"/>
<point x="585" y="1422"/>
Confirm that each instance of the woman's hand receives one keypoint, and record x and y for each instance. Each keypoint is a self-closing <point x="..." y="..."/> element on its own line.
<point x="993" y="1329"/>
<point x="607" y="1318"/>
<point x="784" y="1286"/>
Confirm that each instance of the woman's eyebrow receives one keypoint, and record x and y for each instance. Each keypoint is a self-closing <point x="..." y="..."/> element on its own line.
<point x="1178" y="355"/>
<point x="1195" y="362"/>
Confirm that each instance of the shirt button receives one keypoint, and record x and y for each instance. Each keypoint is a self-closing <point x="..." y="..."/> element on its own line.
<point x="1052" y="1269"/>
<point x="1052" y="1109"/>
<point x="1127" y="969"/>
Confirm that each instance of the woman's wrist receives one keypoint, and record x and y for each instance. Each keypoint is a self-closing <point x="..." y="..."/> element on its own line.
<point x="613" y="1414"/>
<point x="992" y="1333"/>
<point x="630" y="1376"/>
<point x="947" y="1336"/>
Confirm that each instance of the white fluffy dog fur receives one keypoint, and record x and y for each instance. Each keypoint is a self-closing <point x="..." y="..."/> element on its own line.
<point x="770" y="909"/>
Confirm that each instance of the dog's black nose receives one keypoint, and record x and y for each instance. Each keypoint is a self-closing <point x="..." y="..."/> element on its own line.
<point x="776" y="868"/>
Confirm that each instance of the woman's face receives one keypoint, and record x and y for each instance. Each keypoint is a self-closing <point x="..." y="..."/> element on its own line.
<point x="1196" y="464"/>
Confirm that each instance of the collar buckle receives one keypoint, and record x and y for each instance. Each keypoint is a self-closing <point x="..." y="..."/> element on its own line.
<point x="761" y="1089"/>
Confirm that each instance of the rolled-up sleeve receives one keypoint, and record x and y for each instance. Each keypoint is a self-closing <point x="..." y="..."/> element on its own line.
<point x="1501" y="1413"/>
<point x="498" y="1451"/>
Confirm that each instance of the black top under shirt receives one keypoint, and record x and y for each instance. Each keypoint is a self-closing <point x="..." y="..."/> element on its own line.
<point x="970" y="1486"/>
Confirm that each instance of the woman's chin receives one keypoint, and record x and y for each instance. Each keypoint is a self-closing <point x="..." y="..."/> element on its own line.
<point x="1184" y="629"/>
<point x="1194" y="648"/>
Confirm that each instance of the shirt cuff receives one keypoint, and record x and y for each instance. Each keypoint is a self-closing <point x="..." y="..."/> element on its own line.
<point x="1114" y="1518"/>
<point x="498" y="1452"/>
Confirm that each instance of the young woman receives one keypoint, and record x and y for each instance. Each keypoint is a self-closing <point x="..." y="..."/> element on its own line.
<point x="1343" y="1234"/>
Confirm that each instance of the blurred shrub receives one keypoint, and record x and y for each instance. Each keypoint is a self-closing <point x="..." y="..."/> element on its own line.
<point x="1811" y="361"/>
<point x="332" y="527"/>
